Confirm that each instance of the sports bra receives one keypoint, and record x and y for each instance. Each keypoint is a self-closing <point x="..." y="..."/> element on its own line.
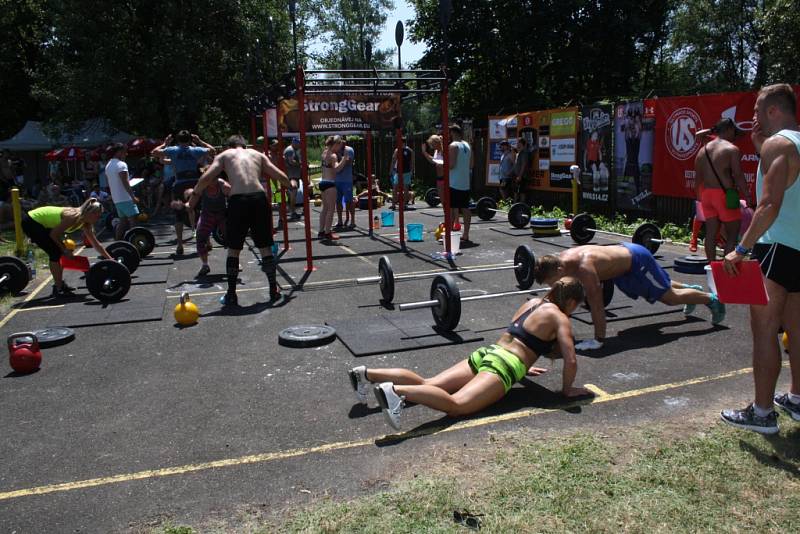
<point x="516" y="329"/>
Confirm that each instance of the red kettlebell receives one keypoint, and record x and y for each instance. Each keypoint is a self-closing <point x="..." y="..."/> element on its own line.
<point x="24" y="354"/>
<point x="568" y="224"/>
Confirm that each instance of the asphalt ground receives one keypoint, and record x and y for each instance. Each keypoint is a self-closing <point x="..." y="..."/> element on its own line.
<point x="135" y="424"/>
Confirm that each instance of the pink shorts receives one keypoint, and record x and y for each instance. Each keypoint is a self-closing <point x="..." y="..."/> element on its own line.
<point x="713" y="201"/>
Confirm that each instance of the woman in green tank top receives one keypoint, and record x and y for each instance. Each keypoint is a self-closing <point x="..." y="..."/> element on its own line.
<point x="46" y="227"/>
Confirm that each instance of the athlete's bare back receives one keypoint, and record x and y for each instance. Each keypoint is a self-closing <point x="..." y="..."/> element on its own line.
<point x="725" y="156"/>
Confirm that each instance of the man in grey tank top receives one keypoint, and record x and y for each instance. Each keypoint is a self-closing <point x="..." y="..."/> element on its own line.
<point x="774" y="237"/>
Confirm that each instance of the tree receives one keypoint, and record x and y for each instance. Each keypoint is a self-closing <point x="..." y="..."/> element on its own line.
<point x="346" y="27"/>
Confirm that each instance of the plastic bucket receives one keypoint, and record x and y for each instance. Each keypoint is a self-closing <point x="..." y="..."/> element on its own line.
<point x="387" y="218"/>
<point x="415" y="232"/>
<point x="455" y="242"/>
<point x="710" y="279"/>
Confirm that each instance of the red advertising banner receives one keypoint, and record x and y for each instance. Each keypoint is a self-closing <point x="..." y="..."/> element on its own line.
<point x="677" y="121"/>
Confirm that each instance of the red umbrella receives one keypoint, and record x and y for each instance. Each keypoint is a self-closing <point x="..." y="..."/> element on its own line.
<point x="55" y="155"/>
<point x="73" y="153"/>
<point x="96" y="154"/>
<point x="142" y="146"/>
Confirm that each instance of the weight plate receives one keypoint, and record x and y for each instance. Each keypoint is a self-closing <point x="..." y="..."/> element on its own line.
<point x="305" y="336"/>
<point x="54" y="336"/>
<point x="546" y="232"/>
<point x="582" y="229"/>
<point x="386" y="273"/>
<point x="519" y="215"/>
<point x="691" y="264"/>
<point x="525" y="260"/>
<point x="16" y="275"/>
<point x="447" y="313"/>
<point x="608" y="293"/>
<point x="485" y="208"/>
<point x="108" y="281"/>
<point x="218" y="233"/>
<point x="432" y="197"/>
<point x="544" y="222"/>
<point x="109" y="221"/>
<point x="125" y="253"/>
<point x="142" y="238"/>
<point x="644" y="236"/>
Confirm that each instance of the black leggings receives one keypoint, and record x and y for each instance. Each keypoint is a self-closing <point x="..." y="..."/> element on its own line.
<point x="41" y="236"/>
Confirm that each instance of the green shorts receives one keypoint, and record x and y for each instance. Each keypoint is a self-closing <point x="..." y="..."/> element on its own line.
<point x="499" y="361"/>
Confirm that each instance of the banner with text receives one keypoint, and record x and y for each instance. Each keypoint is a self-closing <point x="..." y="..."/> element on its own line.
<point x="554" y="135"/>
<point x="594" y="155"/>
<point x="677" y="121"/>
<point x="634" y="124"/>
<point x="339" y="113"/>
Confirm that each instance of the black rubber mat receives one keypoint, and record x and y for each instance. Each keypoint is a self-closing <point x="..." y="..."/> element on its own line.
<point x="396" y="333"/>
<point x="89" y="313"/>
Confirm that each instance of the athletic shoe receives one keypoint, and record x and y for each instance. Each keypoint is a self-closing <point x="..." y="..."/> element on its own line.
<point x="358" y="379"/>
<point x="294" y="217"/>
<point x="322" y="235"/>
<point x="275" y="293"/>
<point x="339" y="227"/>
<point x="782" y="401"/>
<point x="204" y="270"/>
<point x="179" y="250"/>
<point x="717" y="310"/>
<point x="351" y="226"/>
<point x="688" y="309"/>
<point x="333" y="236"/>
<point x="229" y="299"/>
<point x="390" y="402"/>
<point x="748" y="420"/>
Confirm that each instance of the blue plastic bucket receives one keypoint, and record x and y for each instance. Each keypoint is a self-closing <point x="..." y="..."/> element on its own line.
<point x="387" y="218"/>
<point x="416" y="232"/>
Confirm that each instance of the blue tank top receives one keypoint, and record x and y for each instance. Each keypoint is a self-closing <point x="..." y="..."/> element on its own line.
<point x="786" y="228"/>
<point x="459" y="175"/>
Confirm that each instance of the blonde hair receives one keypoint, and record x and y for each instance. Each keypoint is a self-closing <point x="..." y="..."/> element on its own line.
<point x="546" y="266"/>
<point x="780" y="95"/>
<point x="89" y="207"/>
<point x="564" y="290"/>
<point x="435" y="141"/>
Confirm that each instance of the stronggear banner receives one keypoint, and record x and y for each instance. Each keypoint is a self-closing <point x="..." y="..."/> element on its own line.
<point x="340" y="113"/>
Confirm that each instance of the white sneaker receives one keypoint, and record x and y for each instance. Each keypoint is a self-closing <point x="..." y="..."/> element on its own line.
<point x="358" y="379"/>
<point x="390" y="402"/>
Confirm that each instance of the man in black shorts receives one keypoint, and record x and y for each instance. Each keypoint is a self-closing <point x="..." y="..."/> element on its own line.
<point x="460" y="169"/>
<point x="248" y="209"/>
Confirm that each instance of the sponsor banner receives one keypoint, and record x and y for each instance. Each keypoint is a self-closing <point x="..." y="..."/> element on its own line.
<point x="677" y="121"/>
<point x="340" y="113"/>
<point x="634" y="125"/>
<point x="498" y="131"/>
<point x="563" y="123"/>
<point x="562" y="151"/>
<point x="594" y="152"/>
<point x="560" y="177"/>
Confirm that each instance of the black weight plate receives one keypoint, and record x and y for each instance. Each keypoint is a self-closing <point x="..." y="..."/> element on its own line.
<point x="608" y="293"/>
<point x="54" y="336"/>
<point x="432" y="197"/>
<point x="125" y="253"/>
<point x="448" y="313"/>
<point x="644" y="236"/>
<point x="17" y="274"/>
<point x="582" y="229"/>
<point x="519" y="215"/>
<point x="142" y="238"/>
<point x="548" y="223"/>
<point x="117" y="275"/>
<point x="218" y="233"/>
<point x="109" y="221"/>
<point x="485" y="208"/>
<point x="305" y="336"/>
<point x="386" y="273"/>
<point x="691" y="264"/>
<point x="525" y="259"/>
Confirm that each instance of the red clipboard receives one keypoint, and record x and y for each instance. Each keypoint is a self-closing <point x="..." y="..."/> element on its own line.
<point x="75" y="263"/>
<point x="747" y="287"/>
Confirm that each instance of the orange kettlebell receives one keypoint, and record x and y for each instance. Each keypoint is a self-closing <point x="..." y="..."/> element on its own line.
<point x="785" y="340"/>
<point x="24" y="354"/>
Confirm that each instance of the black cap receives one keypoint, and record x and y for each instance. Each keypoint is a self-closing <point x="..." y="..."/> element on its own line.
<point x="726" y="124"/>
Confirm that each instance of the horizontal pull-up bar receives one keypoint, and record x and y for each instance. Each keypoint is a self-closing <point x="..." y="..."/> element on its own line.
<point x="368" y="91"/>
<point x="374" y="80"/>
<point x="373" y="71"/>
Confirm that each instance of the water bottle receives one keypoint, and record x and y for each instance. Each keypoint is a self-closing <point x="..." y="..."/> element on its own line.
<point x="31" y="261"/>
<point x="376" y="223"/>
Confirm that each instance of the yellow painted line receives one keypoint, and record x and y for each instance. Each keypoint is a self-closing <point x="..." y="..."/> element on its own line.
<point x="39" y="308"/>
<point x="596" y="390"/>
<point x="342" y="445"/>
<point x="357" y="255"/>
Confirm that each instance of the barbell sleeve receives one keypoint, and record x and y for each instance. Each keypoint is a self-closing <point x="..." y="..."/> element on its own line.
<point x="433" y="303"/>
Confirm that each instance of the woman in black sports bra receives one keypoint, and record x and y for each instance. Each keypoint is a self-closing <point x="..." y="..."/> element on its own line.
<point x="540" y="327"/>
<point x="331" y="164"/>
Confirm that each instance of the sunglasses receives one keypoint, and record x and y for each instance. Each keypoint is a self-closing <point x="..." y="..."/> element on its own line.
<point x="467" y="519"/>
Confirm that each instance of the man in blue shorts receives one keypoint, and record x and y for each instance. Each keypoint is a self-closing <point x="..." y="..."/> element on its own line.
<point x="344" y="190"/>
<point x="121" y="192"/>
<point x="186" y="158"/>
<point x="634" y="271"/>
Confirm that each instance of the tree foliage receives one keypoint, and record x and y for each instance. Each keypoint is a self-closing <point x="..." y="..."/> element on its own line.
<point x="346" y="26"/>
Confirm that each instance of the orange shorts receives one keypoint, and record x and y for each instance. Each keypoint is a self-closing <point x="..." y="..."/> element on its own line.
<point x="713" y="201"/>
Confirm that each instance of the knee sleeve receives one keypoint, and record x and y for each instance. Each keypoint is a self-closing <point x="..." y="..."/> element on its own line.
<point x="232" y="266"/>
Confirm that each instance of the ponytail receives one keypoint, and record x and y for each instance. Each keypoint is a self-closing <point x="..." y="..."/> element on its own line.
<point x="564" y="290"/>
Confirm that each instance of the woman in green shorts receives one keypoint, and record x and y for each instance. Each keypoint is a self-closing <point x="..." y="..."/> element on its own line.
<point x="540" y="327"/>
<point x="46" y="227"/>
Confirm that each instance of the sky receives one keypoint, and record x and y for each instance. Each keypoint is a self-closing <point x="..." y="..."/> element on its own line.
<point x="410" y="52"/>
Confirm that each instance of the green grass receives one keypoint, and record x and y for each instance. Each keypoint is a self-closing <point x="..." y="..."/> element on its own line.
<point x="641" y="480"/>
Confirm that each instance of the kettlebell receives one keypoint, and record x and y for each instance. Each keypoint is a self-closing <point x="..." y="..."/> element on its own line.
<point x="186" y="312"/>
<point x="69" y="244"/>
<point x="24" y="354"/>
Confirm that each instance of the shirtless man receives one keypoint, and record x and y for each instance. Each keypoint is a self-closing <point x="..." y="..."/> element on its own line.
<point x="718" y="167"/>
<point x="248" y="208"/>
<point x="633" y="270"/>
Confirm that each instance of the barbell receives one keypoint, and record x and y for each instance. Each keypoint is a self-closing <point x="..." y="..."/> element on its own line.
<point x="519" y="214"/>
<point x="583" y="229"/>
<point x="445" y="300"/>
<point x="523" y="266"/>
<point x="142" y="238"/>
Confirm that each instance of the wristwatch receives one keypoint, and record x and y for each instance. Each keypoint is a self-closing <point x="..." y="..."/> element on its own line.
<point x="741" y="250"/>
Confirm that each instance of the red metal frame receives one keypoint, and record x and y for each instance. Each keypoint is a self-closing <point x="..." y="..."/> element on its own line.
<point x="368" y="135"/>
<point x="300" y="81"/>
<point x="446" y="175"/>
